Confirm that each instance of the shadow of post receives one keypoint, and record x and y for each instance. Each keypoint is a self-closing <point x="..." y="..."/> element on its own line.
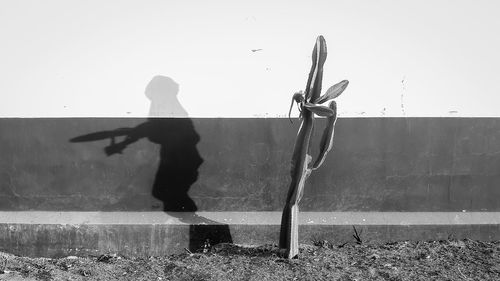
<point x="179" y="159"/>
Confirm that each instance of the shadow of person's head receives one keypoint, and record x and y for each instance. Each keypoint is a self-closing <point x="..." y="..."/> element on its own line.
<point x="161" y="87"/>
<point x="162" y="91"/>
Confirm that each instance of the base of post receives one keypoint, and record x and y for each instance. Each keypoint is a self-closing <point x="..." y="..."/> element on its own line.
<point x="289" y="233"/>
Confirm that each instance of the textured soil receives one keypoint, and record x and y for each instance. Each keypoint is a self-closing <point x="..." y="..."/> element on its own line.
<point x="433" y="260"/>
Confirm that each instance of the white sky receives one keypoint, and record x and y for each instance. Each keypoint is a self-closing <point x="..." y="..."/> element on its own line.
<point x="62" y="58"/>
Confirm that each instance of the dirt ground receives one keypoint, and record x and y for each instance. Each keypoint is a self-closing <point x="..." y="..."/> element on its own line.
<point x="433" y="260"/>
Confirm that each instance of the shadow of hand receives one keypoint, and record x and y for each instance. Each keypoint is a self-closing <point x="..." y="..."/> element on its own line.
<point x="115" y="148"/>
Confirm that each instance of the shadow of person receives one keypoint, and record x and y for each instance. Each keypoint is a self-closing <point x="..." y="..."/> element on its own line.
<point x="170" y="127"/>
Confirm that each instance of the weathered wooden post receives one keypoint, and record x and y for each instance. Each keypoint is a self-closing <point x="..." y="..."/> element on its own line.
<point x="309" y="104"/>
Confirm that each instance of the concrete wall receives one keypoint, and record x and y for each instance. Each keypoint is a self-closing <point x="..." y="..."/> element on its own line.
<point x="181" y="164"/>
<point x="219" y="60"/>
<point x="93" y="58"/>
<point x="65" y="188"/>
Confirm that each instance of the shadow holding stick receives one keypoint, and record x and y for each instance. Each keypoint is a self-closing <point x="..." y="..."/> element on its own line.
<point x="179" y="159"/>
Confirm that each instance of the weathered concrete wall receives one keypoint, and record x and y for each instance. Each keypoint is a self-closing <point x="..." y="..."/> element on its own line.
<point x="55" y="234"/>
<point x="377" y="164"/>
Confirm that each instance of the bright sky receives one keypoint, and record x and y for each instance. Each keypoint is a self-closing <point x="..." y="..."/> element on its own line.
<point x="64" y="58"/>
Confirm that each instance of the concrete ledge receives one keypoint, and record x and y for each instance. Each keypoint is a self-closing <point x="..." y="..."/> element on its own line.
<point x="54" y="234"/>
<point x="249" y="218"/>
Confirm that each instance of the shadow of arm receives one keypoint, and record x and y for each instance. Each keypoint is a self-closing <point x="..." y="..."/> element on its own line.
<point x="132" y="135"/>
